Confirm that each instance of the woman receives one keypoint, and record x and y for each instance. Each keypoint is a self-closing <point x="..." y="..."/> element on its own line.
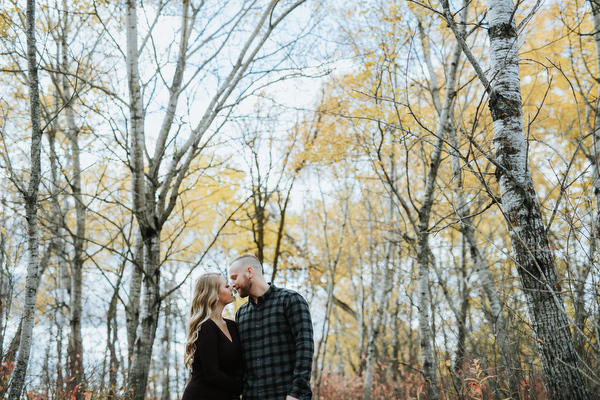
<point x="213" y="349"/>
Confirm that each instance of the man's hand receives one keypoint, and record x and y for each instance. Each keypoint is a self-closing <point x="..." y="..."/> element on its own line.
<point x="288" y="397"/>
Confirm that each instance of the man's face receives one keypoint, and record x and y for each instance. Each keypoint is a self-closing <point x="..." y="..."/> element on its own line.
<point x="240" y="279"/>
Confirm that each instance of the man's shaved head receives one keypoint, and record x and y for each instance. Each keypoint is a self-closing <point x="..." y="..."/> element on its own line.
<point x="247" y="260"/>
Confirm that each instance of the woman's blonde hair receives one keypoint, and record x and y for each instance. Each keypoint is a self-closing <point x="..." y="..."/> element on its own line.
<point x="204" y="303"/>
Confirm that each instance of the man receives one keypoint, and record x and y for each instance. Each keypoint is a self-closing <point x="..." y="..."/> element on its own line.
<point x="277" y="335"/>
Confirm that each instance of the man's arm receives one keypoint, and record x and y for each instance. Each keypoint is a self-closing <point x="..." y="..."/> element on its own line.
<point x="298" y="315"/>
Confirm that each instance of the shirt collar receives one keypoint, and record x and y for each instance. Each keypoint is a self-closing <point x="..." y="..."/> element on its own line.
<point x="266" y="295"/>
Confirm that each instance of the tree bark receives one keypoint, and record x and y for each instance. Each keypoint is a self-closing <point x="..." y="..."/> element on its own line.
<point x="520" y="207"/>
<point x="132" y="310"/>
<point x="332" y="264"/>
<point x="382" y="306"/>
<point x="31" y="208"/>
<point x="75" y="347"/>
<point x="596" y="170"/>
<point x="423" y="250"/>
<point x="142" y="356"/>
<point x="534" y="260"/>
<point x="497" y="322"/>
<point x="57" y="230"/>
<point x="461" y="349"/>
<point x="8" y="361"/>
<point x="5" y="284"/>
<point x="111" y="340"/>
<point x="595" y="243"/>
<point x="149" y="228"/>
<point x="166" y="361"/>
<point x="156" y="187"/>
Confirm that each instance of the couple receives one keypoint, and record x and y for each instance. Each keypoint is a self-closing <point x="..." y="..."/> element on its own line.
<point x="266" y="354"/>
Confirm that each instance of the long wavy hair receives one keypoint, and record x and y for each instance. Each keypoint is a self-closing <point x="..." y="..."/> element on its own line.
<point x="204" y="303"/>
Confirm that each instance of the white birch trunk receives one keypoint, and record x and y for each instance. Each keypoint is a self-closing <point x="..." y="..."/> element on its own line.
<point x="132" y="310"/>
<point x="142" y="356"/>
<point x="332" y="264"/>
<point x="166" y="359"/>
<point x="31" y="208"/>
<point x="111" y="341"/>
<point x="596" y="170"/>
<point x="75" y="348"/>
<point x="595" y="243"/>
<point x="5" y="289"/>
<point x="383" y="301"/>
<point x="444" y="126"/>
<point x="143" y="208"/>
<point x="534" y="260"/>
<point x="483" y="270"/>
<point x="382" y="306"/>
<point x="156" y="187"/>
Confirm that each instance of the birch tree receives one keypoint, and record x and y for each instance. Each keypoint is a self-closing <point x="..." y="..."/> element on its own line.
<point x="30" y="196"/>
<point x="75" y="348"/>
<point x="520" y="207"/>
<point x="595" y="237"/>
<point x="420" y="223"/>
<point x="596" y="168"/>
<point x="377" y="323"/>
<point x="157" y="174"/>
<point x="423" y="250"/>
<point x="481" y="266"/>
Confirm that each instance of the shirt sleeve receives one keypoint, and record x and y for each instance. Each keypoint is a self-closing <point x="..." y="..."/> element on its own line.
<point x="206" y="350"/>
<point x="298" y="315"/>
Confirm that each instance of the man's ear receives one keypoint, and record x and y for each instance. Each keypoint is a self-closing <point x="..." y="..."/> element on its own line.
<point x="250" y="271"/>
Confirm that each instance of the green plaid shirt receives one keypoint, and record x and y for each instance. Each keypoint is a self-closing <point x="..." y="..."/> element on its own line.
<point x="277" y="343"/>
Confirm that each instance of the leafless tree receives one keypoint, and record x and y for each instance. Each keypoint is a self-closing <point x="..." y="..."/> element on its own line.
<point x="155" y="185"/>
<point x="520" y="206"/>
<point x="30" y="196"/>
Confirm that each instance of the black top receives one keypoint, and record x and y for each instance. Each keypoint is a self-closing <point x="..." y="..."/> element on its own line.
<point x="277" y="338"/>
<point x="217" y="368"/>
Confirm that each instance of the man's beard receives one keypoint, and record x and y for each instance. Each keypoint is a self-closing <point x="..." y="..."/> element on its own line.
<point x="244" y="290"/>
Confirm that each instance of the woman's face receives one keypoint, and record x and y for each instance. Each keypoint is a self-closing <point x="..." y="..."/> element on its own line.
<point x="225" y="292"/>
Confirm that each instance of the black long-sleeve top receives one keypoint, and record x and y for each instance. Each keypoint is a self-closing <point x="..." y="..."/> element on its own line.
<point x="217" y="368"/>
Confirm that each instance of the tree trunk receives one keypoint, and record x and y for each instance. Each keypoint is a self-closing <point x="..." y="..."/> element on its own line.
<point x="461" y="349"/>
<point x="5" y="284"/>
<point x="166" y="361"/>
<point x="510" y="360"/>
<point x="596" y="170"/>
<point x="396" y="339"/>
<point x="8" y="361"/>
<point x="156" y="187"/>
<point x="75" y="348"/>
<point x="423" y="250"/>
<point x="111" y="340"/>
<point x="332" y="264"/>
<point x="374" y="332"/>
<point x="144" y="210"/>
<point x="281" y="227"/>
<point x="259" y="220"/>
<point x="142" y="356"/>
<point x="132" y="310"/>
<point x="31" y="208"/>
<point x="58" y="245"/>
<point x="595" y="242"/>
<point x="534" y="260"/>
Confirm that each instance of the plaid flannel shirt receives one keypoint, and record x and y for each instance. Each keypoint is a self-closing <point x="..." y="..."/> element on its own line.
<point x="277" y="343"/>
